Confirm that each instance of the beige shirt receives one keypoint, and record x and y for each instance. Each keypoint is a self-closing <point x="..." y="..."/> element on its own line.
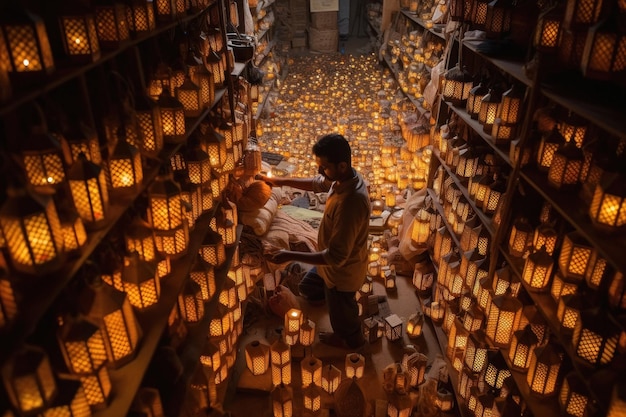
<point x="343" y="232"/>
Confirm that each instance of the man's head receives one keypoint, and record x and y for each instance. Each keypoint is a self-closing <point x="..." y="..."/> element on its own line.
<point x="334" y="157"/>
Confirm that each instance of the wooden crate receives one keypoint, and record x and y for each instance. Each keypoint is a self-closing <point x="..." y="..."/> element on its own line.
<point x="324" y="20"/>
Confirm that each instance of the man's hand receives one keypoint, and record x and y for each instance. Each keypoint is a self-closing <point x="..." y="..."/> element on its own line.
<point x="279" y="256"/>
<point x="266" y="179"/>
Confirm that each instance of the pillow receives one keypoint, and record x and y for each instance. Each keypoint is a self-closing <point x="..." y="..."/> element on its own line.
<point x="254" y="196"/>
<point x="259" y="220"/>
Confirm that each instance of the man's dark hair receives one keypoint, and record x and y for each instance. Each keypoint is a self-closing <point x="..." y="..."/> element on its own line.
<point x="334" y="147"/>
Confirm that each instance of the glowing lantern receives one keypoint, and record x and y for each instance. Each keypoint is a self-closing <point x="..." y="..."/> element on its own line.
<point x="125" y="167"/>
<point x="575" y="255"/>
<point x="311" y="371"/>
<point x="523" y="344"/>
<point x="198" y="165"/>
<point x="81" y="138"/>
<point x="165" y="10"/>
<point x="212" y="249"/>
<point x="595" y="338"/>
<point x="568" y="310"/>
<point x="140" y="16"/>
<point x="141" y="282"/>
<point x="372" y="331"/>
<point x="563" y="285"/>
<point x="331" y="376"/>
<point x="282" y="401"/>
<point x="545" y="236"/>
<point x="604" y="54"/>
<point x="573" y="396"/>
<point x="489" y="105"/>
<point x="414" y="324"/>
<point x="89" y="191"/>
<point x="504" y="281"/>
<point x="543" y="371"/>
<point x="82" y="345"/>
<point x="216" y="66"/>
<point x="399" y="405"/>
<point x="172" y="118"/>
<point x="211" y="357"/>
<point x="473" y="319"/>
<point x="457" y="83"/>
<point x="354" y="365"/>
<point x="111" y="25"/>
<point x="474" y="99"/>
<point x="188" y="93"/>
<point x="203" y="273"/>
<point x="475" y="354"/>
<point x="149" y="119"/>
<point x="496" y="371"/>
<point x="608" y="206"/>
<point x="165" y="203"/>
<point x="257" y="357"/>
<point x="415" y="365"/>
<point x="549" y="144"/>
<point x="566" y="166"/>
<point x="520" y="238"/>
<point x="8" y="303"/>
<point x="191" y="304"/>
<point x="573" y="128"/>
<point x="312" y="398"/>
<point x="596" y="270"/>
<point x="78" y="29"/>
<point x="42" y="157"/>
<point x="503" y="319"/>
<point x="498" y="20"/>
<point x="97" y="386"/>
<point x="548" y="30"/>
<point x="510" y="108"/>
<point x="73" y="229"/>
<point x="280" y="361"/>
<point x="538" y="270"/>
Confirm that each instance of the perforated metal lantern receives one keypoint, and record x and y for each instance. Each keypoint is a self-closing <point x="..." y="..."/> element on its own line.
<point x="172" y="118"/>
<point x="312" y="398"/>
<point x="125" y="168"/>
<point x="78" y="31"/>
<point x="596" y="270"/>
<point x="280" y="362"/>
<point x="393" y="327"/>
<point x="520" y="237"/>
<point x="32" y="229"/>
<point x="188" y="93"/>
<point x="414" y="324"/>
<point x="211" y="357"/>
<point x="165" y="10"/>
<point x="331" y="376"/>
<point x="538" y="270"/>
<point x="212" y="249"/>
<point x="595" y="337"/>
<point x="569" y="309"/>
<point x="111" y="25"/>
<point x="257" y="357"/>
<point x="165" y="203"/>
<point x="548" y="145"/>
<point x="311" y="371"/>
<point x="573" y="128"/>
<point x="575" y="255"/>
<point x="140" y="281"/>
<point x="198" y="165"/>
<point x="89" y="191"/>
<point x="608" y="206"/>
<point x="457" y="83"/>
<point x="372" y="330"/>
<point x="140" y="16"/>
<point x="282" y="401"/>
<point x="203" y="273"/>
<point x="496" y="371"/>
<point x="293" y="320"/>
<point x="216" y="66"/>
<point x="82" y="345"/>
<point x="474" y="97"/>
<point x="399" y="405"/>
<point x="150" y="124"/>
<point x="545" y="236"/>
<point x="80" y="138"/>
<point x="503" y="318"/>
<point x="476" y="349"/>
<point x="566" y="166"/>
<point x="604" y="53"/>
<point x="191" y="305"/>
<point x="542" y="376"/>
<point x="498" y="19"/>
<point x="42" y="157"/>
<point x="547" y="34"/>
<point x="574" y="397"/>
<point x="489" y="104"/>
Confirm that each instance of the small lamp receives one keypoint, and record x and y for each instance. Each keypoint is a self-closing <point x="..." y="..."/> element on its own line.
<point x="566" y="166"/>
<point x="150" y="124"/>
<point x="393" y="327"/>
<point x="573" y="128"/>
<point x="212" y="249"/>
<point x="595" y="337"/>
<point x="542" y="376"/>
<point x="312" y="398"/>
<point x="489" y="105"/>
<point x="548" y="145"/>
<point x="111" y="25"/>
<point x="141" y="282"/>
<point x="220" y="324"/>
<point x="495" y="191"/>
<point x="139" y="238"/>
<point x="548" y="29"/>
<point x="354" y="365"/>
<point x="596" y="270"/>
<point x="503" y="319"/>
<point x="82" y="345"/>
<point x="568" y="310"/>
<point x="496" y="371"/>
<point x="603" y="51"/>
<point x="172" y="118"/>
<point x="203" y="273"/>
<point x="97" y="386"/>
<point x="499" y="17"/>
<point x="311" y="371"/>
<point x="257" y="357"/>
<point x="73" y="230"/>
<point x="215" y="65"/>
<point x="520" y="238"/>
<point x="89" y="191"/>
<point x="191" y="305"/>
<point x="80" y="138"/>
<point x="198" y="165"/>
<point x="523" y="344"/>
<point x="307" y="332"/>
<point x="473" y="318"/>
<point x="562" y="285"/>
<point x="140" y="16"/>
<point x="125" y="167"/>
<point x="189" y="95"/>
<point x="280" y="360"/>
<point x="331" y="376"/>
<point x="211" y="357"/>
<point x="538" y="270"/>
<point x="414" y="325"/>
<point x="575" y="255"/>
<point x="372" y="330"/>
<point x="293" y="321"/>
<point x="457" y="84"/>
<point x="202" y="387"/>
<point x="608" y="205"/>
<point x="78" y="30"/>
<point x="474" y="99"/>
<point x="545" y="236"/>
<point x="574" y="398"/>
<point x="166" y="10"/>
<point x="165" y="210"/>
<point x="282" y="401"/>
<point x="505" y="281"/>
<point x="42" y="157"/>
<point x="476" y="349"/>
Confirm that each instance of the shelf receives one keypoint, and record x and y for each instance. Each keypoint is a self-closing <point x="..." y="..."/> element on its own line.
<point x="416" y="102"/>
<point x="258" y="60"/>
<point x="509" y="66"/>
<point x="127" y="379"/>
<point x="436" y="30"/>
<point x="574" y="211"/>
<point x="484" y="219"/>
<point x="439" y="208"/>
<point x="261" y="105"/>
<point x="63" y="75"/>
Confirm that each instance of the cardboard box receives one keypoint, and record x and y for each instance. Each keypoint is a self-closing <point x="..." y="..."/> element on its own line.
<point x="324" y="20"/>
<point x="324" y="5"/>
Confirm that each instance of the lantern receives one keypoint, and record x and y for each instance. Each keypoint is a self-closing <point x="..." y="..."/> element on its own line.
<point x="188" y="93"/>
<point x="503" y="319"/>
<point x="280" y="360"/>
<point x="393" y="327"/>
<point x="445" y="400"/>
<point x="97" y="386"/>
<point x="293" y="321"/>
<point x="198" y="166"/>
<point x="414" y="324"/>
<point x="566" y="166"/>
<point x="573" y="128"/>
<point x="111" y="310"/>
<point x="81" y="138"/>
<point x="78" y="30"/>
<point x="282" y="401"/>
<point x="212" y="249"/>
<point x="468" y="160"/>
<point x="467" y="381"/>
<point x="311" y="371"/>
<point x="42" y="157"/>
<point x="191" y="304"/>
<point x="125" y="167"/>
<point x="523" y="344"/>
<point x="574" y="397"/>
<point x="140" y="16"/>
<point x="415" y="365"/>
<point x="504" y="281"/>
<point x="474" y="97"/>
<point x="165" y="202"/>
<point x="203" y="273"/>
<point x="496" y="371"/>
<point x="498" y="19"/>
<point x="575" y="255"/>
<point x="73" y="230"/>
<point x="568" y="310"/>
<point x="205" y="81"/>
<point x="31" y="226"/>
<point x="562" y="286"/>
<point x="538" y="270"/>
<point x="70" y="400"/>
<point x="257" y="357"/>
<point x="150" y="124"/>
<point x="141" y="282"/>
<point x="172" y="118"/>
<point x="494" y="194"/>
<point x="549" y="144"/>
<point x="89" y="191"/>
<point x="8" y="303"/>
<point x="228" y="294"/>
<point x="139" y="238"/>
<point x="331" y="376"/>
<point x="372" y="330"/>
<point x="111" y="25"/>
<point x="543" y="371"/>
<point x="457" y="339"/>
<point x="202" y="387"/>
<point x="473" y="318"/>
<point x="548" y="30"/>
<point x="608" y="206"/>
<point x="484" y="293"/>
<point x="355" y="364"/>
<point x="595" y="337"/>
<point x="312" y="398"/>
<point x="520" y="237"/>
<point x="82" y="345"/>
<point x="596" y="270"/>
<point x="29" y="53"/>
<point x="545" y="236"/>
<point x="216" y="66"/>
<point x="399" y="405"/>
<point x="604" y="54"/>
<point x="475" y="353"/>
<point x="211" y="357"/>
<point x="489" y="105"/>
<point x="457" y="83"/>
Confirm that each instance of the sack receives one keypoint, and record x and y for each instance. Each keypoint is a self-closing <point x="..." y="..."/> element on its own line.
<point x="282" y="301"/>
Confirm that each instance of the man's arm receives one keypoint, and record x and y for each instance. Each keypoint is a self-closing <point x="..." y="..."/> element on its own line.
<point x="305" y="184"/>
<point x="313" y="258"/>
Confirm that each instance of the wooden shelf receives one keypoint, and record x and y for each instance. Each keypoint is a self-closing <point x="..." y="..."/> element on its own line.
<point x="416" y="102"/>
<point x="436" y="30"/>
<point x="509" y="66"/>
<point x="258" y="60"/>
<point x="439" y="208"/>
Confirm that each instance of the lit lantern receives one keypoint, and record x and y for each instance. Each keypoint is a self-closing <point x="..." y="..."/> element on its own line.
<point x="355" y="364"/>
<point x="415" y="365"/>
<point x="580" y="14"/>
<point x="331" y="376"/>
<point x="496" y="371"/>
<point x="494" y="193"/>
<point x="537" y="322"/>
<point x="575" y="255"/>
<point x="140" y="16"/>
<point x="204" y="79"/>
<point x="78" y="29"/>
<point x="473" y="318"/>
<point x="489" y="105"/>
<point x="596" y="270"/>
<point x="148" y="401"/>
<point x="422" y="280"/>
<point x="97" y="386"/>
<point x="282" y="401"/>
<point x="111" y="25"/>
<point x="503" y="319"/>
<point x="165" y="10"/>
<point x="29" y="53"/>
<point x="573" y="128"/>
<point x="141" y="282"/>
<point x="212" y="249"/>
<point x="203" y="273"/>
<point x="608" y="206"/>
<point x="70" y="400"/>
<point x="81" y="138"/>
<point x="595" y="338"/>
<point x="434" y="310"/>
<point x="73" y="230"/>
<point x="468" y="160"/>
<point x="457" y="340"/>
<point x="216" y="67"/>
<point x="457" y="83"/>
<point x="523" y="344"/>
<point x="467" y="381"/>
<point x="228" y="294"/>
<point x="538" y="270"/>
<point x="604" y="53"/>
<point x="573" y="396"/>
<point x="443" y="243"/>
<point x="257" y="357"/>
<point x="82" y="345"/>
<point x="226" y="228"/>
<point x="474" y="99"/>
<point x="501" y="132"/>
<point x="566" y="166"/>
<point x="498" y="19"/>
<point x="139" y="238"/>
<point x="399" y="405"/>
<point x="188" y="93"/>
<point x="311" y="371"/>
<point x="125" y="167"/>
<point x="31" y="226"/>
<point x="543" y="372"/>
<point x="549" y="144"/>
<point x="191" y="305"/>
<point x="172" y="118"/>
<point x="372" y="330"/>
<point x="202" y="387"/>
<point x="293" y="321"/>
<point x="520" y="238"/>
<point x="312" y="398"/>
<point x="414" y="324"/>
<point x="8" y="302"/>
<point x="388" y="274"/>
<point x="111" y="310"/>
<point x="165" y="203"/>
<point x="484" y="293"/>
<point x="504" y="281"/>
<point x="42" y="158"/>
<point x="89" y="191"/>
<point x="568" y="310"/>
<point x="510" y="107"/>
<point x="547" y="35"/>
<point x="563" y="285"/>
<point x="545" y="236"/>
<point x="280" y="361"/>
<point x="393" y="327"/>
<point x="211" y="357"/>
<point x="475" y="354"/>
<point x="198" y="165"/>
<point x="149" y="119"/>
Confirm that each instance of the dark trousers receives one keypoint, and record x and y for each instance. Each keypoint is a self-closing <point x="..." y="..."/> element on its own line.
<point x="343" y="309"/>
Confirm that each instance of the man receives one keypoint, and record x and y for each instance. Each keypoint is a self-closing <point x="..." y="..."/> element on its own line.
<point x="341" y="262"/>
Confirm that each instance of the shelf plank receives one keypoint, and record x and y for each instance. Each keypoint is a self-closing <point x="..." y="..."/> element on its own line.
<point x="441" y="211"/>
<point x="436" y="30"/>
<point x="484" y="219"/>
<point x="513" y="67"/>
<point x="416" y="102"/>
<point x="574" y="211"/>
<point x="258" y="60"/>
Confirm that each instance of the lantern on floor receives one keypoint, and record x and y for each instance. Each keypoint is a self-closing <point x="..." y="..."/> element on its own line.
<point x="489" y="104"/>
<point x="141" y="282"/>
<point x="212" y="249"/>
<point x="595" y="337"/>
<point x="503" y="319"/>
<point x="81" y="138"/>
<point x="280" y="361"/>
<point x="211" y="357"/>
<point x="331" y="376"/>
<point x="538" y="270"/>
<point x="575" y="255"/>
<point x="604" y="54"/>
<point x="111" y="310"/>
<point x="543" y="371"/>
<point x="172" y="118"/>
<point x="573" y="396"/>
<point x="311" y="371"/>
<point x="150" y="124"/>
<point x="372" y="330"/>
<point x="498" y="20"/>
<point x="125" y="167"/>
<point x="434" y="310"/>
<point x="566" y="166"/>
<point x="496" y="371"/>
<point x="475" y="354"/>
<point x="393" y="327"/>
<point x="140" y="16"/>
<point x="42" y="158"/>
<point x="520" y="237"/>
<point x="399" y="405"/>
<point x="596" y="270"/>
<point x="523" y="344"/>
<point x="191" y="305"/>
<point x="282" y="401"/>
<point x="29" y="53"/>
<point x="111" y="25"/>
<point x="82" y="345"/>
<point x="257" y="357"/>
<point x="31" y="226"/>
<point x="78" y="30"/>
<point x="457" y="83"/>
<point x="354" y="365"/>
<point x="415" y="365"/>
<point x="562" y="286"/>
<point x="414" y="325"/>
<point x="293" y="321"/>
<point x="548" y="145"/>
<point x="608" y="205"/>
<point x="548" y="29"/>
<point x="312" y="398"/>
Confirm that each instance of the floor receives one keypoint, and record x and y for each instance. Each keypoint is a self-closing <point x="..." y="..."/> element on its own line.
<point x="250" y="395"/>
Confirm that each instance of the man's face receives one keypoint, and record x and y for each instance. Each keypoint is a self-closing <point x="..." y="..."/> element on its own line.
<point x="328" y="169"/>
